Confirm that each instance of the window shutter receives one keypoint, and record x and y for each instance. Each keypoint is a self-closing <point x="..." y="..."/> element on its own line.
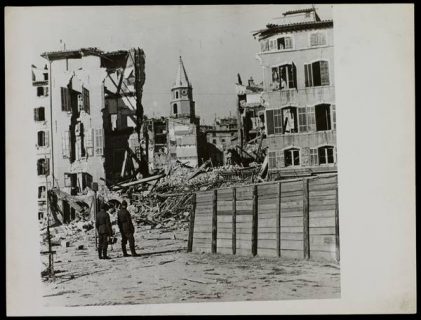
<point x="86" y="102"/>
<point x="47" y="167"/>
<point x="288" y="43"/>
<point x="313" y="39"/>
<point x="36" y="114"/>
<point x="272" y="160"/>
<point x="89" y="143"/>
<point x="324" y="73"/>
<point x="294" y="75"/>
<point x="46" y="138"/>
<point x="269" y="122"/>
<point x="99" y="142"/>
<point x="308" y="75"/>
<point x="334" y="116"/>
<point x="41" y="114"/>
<point x="302" y="117"/>
<point x="313" y="157"/>
<point x="281" y="160"/>
<point x="311" y="119"/>
<point x="66" y="144"/>
<point x="65" y="100"/>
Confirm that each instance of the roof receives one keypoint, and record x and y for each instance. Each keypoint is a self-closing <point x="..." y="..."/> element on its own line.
<point x="298" y="11"/>
<point x="181" y="79"/>
<point x="79" y="53"/>
<point x="272" y="29"/>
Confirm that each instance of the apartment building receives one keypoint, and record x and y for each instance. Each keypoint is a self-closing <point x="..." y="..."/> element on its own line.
<point x="299" y="94"/>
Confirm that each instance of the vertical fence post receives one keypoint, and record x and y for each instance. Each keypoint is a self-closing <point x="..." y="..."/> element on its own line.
<point x="254" y="223"/>
<point x="234" y="220"/>
<point x="214" y="221"/>
<point x="306" y="222"/>
<point x="337" y="225"/>
<point x="278" y="223"/>
<point x="191" y="226"/>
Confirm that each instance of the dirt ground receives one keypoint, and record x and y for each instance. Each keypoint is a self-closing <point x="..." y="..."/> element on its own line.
<point x="177" y="276"/>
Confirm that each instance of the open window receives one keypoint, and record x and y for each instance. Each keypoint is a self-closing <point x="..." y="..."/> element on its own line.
<point x="175" y="109"/>
<point x="292" y="157"/>
<point x="284" y="77"/>
<point x="317" y="74"/>
<point x="284" y="43"/>
<point x="323" y="117"/>
<point x="325" y="154"/>
<point x="39" y="114"/>
<point x="43" y="166"/>
<point x="289" y="120"/>
<point x="42" y="192"/>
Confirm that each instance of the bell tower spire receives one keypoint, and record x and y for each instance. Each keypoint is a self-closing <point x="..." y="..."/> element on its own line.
<point x="182" y="104"/>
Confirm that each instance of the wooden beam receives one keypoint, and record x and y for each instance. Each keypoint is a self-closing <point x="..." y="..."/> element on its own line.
<point x="254" y="222"/>
<point x="306" y="222"/>
<point x="123" y="169"/>
<point x="191" y="226"/>
<point x="214" y="221"/>
<point x="234" y="220"/>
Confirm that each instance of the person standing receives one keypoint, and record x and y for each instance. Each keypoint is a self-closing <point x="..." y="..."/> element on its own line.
<point x="103" y="226"/>
<point x="125" y="224"/>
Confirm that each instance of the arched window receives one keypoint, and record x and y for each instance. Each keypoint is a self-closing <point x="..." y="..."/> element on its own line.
<point x="323" y="117"/>
<point x="176" y="94"/>
<point x="326" y="155"/>
<point x="175" y="111"/>
<point x="292" y="157"/>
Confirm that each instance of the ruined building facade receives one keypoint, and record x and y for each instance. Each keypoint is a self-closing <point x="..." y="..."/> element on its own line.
<point x="86" y="118"/>
<point x="299" y="94"/>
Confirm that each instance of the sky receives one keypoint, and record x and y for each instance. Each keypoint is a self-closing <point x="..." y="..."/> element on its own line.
<point x="215" y="43"/>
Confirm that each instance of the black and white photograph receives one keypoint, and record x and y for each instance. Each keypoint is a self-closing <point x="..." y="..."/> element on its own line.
<point x="185" y="154"/>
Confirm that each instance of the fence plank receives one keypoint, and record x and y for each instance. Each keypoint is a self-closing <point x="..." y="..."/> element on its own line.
<point x="306" y="219"/>
<point x="191" y="226"/>
<point x="234" y="220"/>
<point x="214" y="221"/>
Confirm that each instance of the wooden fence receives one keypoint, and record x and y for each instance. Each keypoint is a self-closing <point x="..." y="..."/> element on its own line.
<point x="292" y="218"/>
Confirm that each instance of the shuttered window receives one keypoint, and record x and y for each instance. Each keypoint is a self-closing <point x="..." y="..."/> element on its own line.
<point x="99" y="142"/>
<point x="317" y="39"/>
<point x="302" y="119"/>
<point x="316" y="74"/>
<point x="89" y="142"/>
<point x="272" y="160"/>
<point x="311" y="119"/>
<point x="39" y="114"/>
<point x="277" y="121"/>
<point x="66" y="144"/>
<point x="65" y="100"/>
<point x="334" y="116"/>
<point x="313" y="157"/>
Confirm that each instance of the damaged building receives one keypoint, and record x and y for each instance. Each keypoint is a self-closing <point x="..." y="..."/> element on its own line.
<point x="299" y="94"/>
<point x="89" y="120"/>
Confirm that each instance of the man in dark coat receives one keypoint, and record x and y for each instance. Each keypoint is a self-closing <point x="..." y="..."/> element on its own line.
<point x="126" y="227"/>
<point x="103" y="226"/>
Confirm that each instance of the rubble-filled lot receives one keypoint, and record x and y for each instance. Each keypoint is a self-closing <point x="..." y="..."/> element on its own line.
<point x="165" y="273"/>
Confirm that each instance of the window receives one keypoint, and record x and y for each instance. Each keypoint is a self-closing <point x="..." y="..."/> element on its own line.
<point x="99" y="142"/>
<point x="40" y="91"/>
<point x="66" y="144"/>
<point x="43" y="166"/>
<point x="70" y="180"/>
<point x="39" y="114"/>
<point x="65" y="100"/>
<point x="45" y="76"/>
<point x="40" y="215"/>
<point x="326" y="155"/>
<point x="41" y="192"/>
<point x="175" y="111"/>
<point x="317" y="39"/>
<point x="316" y="74"/>
<point x="311" y="121"/>
<point x="42" y="139"/>
<point x="284" y="77"/>
<point x="323" y="120"/>
<point x="302" y="115"/>
<point x="313" y="157"/>
<point x="214" y="141"/>
<point x="86" y="180"/>
<point x="292" y="157"/>
<point x="289" y="120"/>
<point x="86" y="102"/>
<point x="276" y="159"/>
<point x="176" y="94"/>
<point x="89" y="142"/>
<point x="222" y="140"/>
<point x="284" y="43"/>
<point x="264" y="45"/>
<point x="213" y="134"/>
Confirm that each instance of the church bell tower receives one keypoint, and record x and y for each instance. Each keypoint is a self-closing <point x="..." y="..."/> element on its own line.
<point x="182" y="104"/>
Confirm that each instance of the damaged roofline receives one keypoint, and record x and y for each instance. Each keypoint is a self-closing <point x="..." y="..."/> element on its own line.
<point x="272" y="29"/>
<point x="79" y="53"/>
